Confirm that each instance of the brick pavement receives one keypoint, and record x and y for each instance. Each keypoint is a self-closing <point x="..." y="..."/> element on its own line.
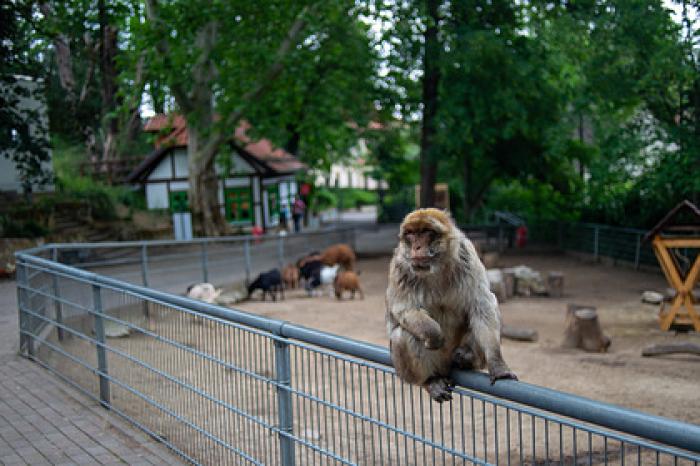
<point x="44" y="421"/>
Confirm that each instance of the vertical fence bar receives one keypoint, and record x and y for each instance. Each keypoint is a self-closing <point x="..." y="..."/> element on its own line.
<point x="500" y="238"/>
<point x="58" y="308"/>
<point x="280" y="251"/>
<point x="596" y="234"/>
<point x="144" y="274"/>
<point x="637" y="251"/>
<point x="100" y="346"/>
<point x="205" y="267"/>
<point x="283" y="377"/>
<point x="25" y="342"/>
<point x="246" y="253"/>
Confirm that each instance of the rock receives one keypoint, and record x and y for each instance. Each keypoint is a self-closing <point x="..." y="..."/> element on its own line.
<point x="652" y="297"/>
<point x="115" y="329"/>
<point x="497" y="284"/>
<point x="528" y="281"/>
<point x="230" y="297"/>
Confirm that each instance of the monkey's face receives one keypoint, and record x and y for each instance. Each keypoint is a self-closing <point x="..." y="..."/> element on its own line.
<point x="422" y="248"/>
<point x="425" y="239"/>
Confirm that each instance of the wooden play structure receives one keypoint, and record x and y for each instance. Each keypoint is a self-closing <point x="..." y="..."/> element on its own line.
<point x="669" y="237"/>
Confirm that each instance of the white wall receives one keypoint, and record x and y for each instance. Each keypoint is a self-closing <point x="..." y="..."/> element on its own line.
<point x="34" y="102"/>
<point x="157" y="195"/>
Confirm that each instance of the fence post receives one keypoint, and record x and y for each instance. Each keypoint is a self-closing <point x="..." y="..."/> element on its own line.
<point x="58" y="308"/>
<point x="500" y="238"/>
<point x="144" y="274"/>
<point x="100" y="346"/>
<point x="596" y="231"/>
<point x="280" y="251"/>
<point x="246" y="253"/>
<point x="205" y="266"/>
<point x="637" y="251"/>
<point x="25" y="341"/>
<point x="283" y="376"/>
<point x="353" y="239"/>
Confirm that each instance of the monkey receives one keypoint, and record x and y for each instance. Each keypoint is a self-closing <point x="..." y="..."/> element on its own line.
<point x="440" y="312"/>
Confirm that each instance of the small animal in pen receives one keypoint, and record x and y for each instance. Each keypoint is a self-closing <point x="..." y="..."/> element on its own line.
<point x="319" y="276"/>
<point x="347" y="281"/>
<point x="339" y="254"/>
<point x="290" y="276"/>
<point x="203" y="292"/>
<point x="269" y="282"/>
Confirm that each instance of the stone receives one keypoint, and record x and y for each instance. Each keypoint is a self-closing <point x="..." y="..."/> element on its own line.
<point x="652" y="297"/>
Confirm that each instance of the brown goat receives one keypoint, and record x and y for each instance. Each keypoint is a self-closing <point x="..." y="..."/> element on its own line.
<point x="339" y="254"/>
<point x="347" y="281"/>
<point x="290" y="276"/>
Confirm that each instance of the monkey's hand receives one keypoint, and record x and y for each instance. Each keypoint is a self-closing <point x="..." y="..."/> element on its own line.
<point x="439" y="388"/>
<point x="434" y="340"/>
<point x="501" y="372"/>
<point x="418" y="323"/>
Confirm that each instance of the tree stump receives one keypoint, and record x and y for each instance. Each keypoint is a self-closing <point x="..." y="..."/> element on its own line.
<point x="583" y="330"/>
<point x="555" y="284"/>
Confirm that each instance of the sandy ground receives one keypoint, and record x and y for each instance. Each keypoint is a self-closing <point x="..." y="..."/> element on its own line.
<point x="665" y="386"/>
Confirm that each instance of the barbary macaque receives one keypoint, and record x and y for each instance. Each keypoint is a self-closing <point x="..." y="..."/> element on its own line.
<point x="440" y="311"/>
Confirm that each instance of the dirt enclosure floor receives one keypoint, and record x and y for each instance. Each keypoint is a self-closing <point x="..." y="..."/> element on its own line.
<point x="665" y="385"/>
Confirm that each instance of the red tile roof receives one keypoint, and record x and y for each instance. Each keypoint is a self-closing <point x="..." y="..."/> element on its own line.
<point x="173" y="129"/>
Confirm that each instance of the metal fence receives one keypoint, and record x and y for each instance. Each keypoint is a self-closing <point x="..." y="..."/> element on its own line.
<point x="221" y="386"/>
<point x="624" y="245"/>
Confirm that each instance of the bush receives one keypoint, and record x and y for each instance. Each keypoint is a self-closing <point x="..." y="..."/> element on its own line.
<point x="322" y="199"/>
<point x="11" y="227"/>
<point x="353" y="197"/>
<point x="101" y="198"/>
<point x="395" y="205"/>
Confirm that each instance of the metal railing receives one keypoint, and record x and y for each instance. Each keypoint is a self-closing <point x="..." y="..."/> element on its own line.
<point x="221" y="386"/>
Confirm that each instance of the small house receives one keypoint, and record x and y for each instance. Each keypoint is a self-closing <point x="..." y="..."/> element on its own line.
<point x="255" y="182"/>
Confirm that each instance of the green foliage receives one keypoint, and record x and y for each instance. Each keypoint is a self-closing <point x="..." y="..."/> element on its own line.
<point x="348" y="198"/>
<point x="321" y="199"/>
<point x="534" y="201"/>
<point x="17" y="226"/>
<point x="23" y="138"/>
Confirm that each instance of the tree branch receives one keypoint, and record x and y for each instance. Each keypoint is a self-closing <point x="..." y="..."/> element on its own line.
<point x="163" y="48"/>
<point x="272" y="73"/>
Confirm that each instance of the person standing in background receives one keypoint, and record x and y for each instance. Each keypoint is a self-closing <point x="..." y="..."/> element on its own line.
<point x="298" y="209"/>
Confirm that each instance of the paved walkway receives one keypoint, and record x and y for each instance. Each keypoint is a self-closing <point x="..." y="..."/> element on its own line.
<point x="44" y="421"/>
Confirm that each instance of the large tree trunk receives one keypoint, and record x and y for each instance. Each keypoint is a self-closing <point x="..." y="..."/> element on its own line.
<point x="69" y="83"/>
<point x="203" y="195"/>
<point x="108" y="74"/>
<point x="466" y="206"/>
<point x="431" y="80"/>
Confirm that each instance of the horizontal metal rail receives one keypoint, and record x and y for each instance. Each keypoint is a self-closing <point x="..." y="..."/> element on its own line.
<point x="669" y="432"/>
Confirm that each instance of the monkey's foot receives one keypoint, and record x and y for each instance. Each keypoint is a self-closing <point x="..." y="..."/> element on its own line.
<point x="463" y="358"/>
<point x="502" y="373"/>
<point x="439" y="388"/>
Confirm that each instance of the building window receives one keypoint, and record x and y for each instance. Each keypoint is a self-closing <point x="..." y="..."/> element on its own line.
<point x="238" y="205"/>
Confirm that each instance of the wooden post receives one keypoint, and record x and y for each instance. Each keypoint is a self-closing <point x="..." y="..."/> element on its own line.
<point x="555" y="284"/>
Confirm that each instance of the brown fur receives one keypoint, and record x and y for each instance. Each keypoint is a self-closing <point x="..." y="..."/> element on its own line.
<point x="339" y="254"/>
<point x="347" y="281"/>
<point x="440" y="312"/>
<point x="290" y="276"/>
